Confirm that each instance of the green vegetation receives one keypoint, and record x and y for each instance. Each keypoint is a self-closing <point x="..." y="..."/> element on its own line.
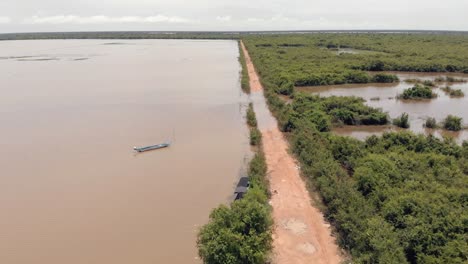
<point x="398" y="198"/>
<point x="251" y="119"/>
<point x="431" y="123"/>
<point x="309" y="59"/>
<point x="450" y="79"/>
<point x="419" y="81"/>
<point x="453" y="92"/>
<point x="241" y="232"/>
<point x="453" y="123"/>
<point x="417" y="92"/>
<point x="323" y="112"/>
<point x="402" y="121"/>
<point x="255" y="136"/>
<point x="385" y="78"/>
<point x="245" y="85"/>
<point x="428" y="83"/>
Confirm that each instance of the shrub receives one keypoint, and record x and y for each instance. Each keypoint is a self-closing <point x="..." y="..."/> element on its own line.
<point x="385" y="78"/>
<point x="430" y="123"/>
<point x="251" y="119"/>
<point x="429" y="83"/>
<point x="417" y="92"/>
<point x="255" y="136"/>
<point x="285" y="86"/>
<point x="453" y="123"/>
<point x="376" y="66"/>
<point x="402" y="121"/>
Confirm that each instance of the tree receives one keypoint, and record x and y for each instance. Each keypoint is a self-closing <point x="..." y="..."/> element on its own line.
<point x="239" y="234"/>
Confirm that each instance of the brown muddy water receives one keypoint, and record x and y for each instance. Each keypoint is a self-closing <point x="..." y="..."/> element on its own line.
<point x="418" y="111"/>
<point x="71" y="189"/>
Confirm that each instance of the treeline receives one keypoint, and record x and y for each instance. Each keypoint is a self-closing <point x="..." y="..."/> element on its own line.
<point x="241" y="232"/>
<point x="311" y="60"/>
<point x="398" y="198"/>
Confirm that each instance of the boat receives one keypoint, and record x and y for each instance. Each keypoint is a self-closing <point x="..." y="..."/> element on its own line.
<point x="158" y="146"/>
<point x="152" y="147"/>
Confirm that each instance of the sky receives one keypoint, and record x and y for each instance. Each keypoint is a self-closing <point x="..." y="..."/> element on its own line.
<point x="230" y="15"/>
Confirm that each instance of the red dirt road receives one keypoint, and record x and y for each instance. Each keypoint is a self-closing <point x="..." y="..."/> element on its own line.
<point x="301" y="235"/>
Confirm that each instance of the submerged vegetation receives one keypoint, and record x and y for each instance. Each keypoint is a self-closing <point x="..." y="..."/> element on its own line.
<point x="419" y="81"/>
<point x="450" y="79"/>
<point x="431" y="123"/>
<point x="398" y="198"/>
<point x="417" y="92"/>
<point x="453" y="92"/>
<point x="402" y="121"/>
<point x="453" y="123"/>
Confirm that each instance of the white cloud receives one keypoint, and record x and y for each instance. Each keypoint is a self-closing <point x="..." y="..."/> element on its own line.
<point x="224" y="18"/>
<point x="4" y="20"/>
<point x="73" y="19"/>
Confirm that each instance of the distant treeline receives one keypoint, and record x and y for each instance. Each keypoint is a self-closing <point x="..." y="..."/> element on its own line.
<point x="397" y="198"/>
<point x="203" y="34"/>
<point x="120" y="35"/>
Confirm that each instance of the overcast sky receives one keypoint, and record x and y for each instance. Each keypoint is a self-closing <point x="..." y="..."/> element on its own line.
<point x="99" y="15"/>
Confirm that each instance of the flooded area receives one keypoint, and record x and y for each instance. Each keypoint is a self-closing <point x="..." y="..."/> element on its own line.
<point x="385" y="96"/>
<point x="71" y="188"/>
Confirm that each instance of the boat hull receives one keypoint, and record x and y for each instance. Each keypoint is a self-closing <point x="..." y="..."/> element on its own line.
<point x="149" y="148"/>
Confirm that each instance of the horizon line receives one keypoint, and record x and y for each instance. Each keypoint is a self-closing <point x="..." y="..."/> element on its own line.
<point x="247" y="31"/>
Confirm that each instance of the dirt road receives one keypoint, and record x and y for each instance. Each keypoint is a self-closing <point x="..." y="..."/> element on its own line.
<point x="301" y="235"/>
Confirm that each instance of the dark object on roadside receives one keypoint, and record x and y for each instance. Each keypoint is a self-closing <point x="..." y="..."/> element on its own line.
<point x="242" y="188"/>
